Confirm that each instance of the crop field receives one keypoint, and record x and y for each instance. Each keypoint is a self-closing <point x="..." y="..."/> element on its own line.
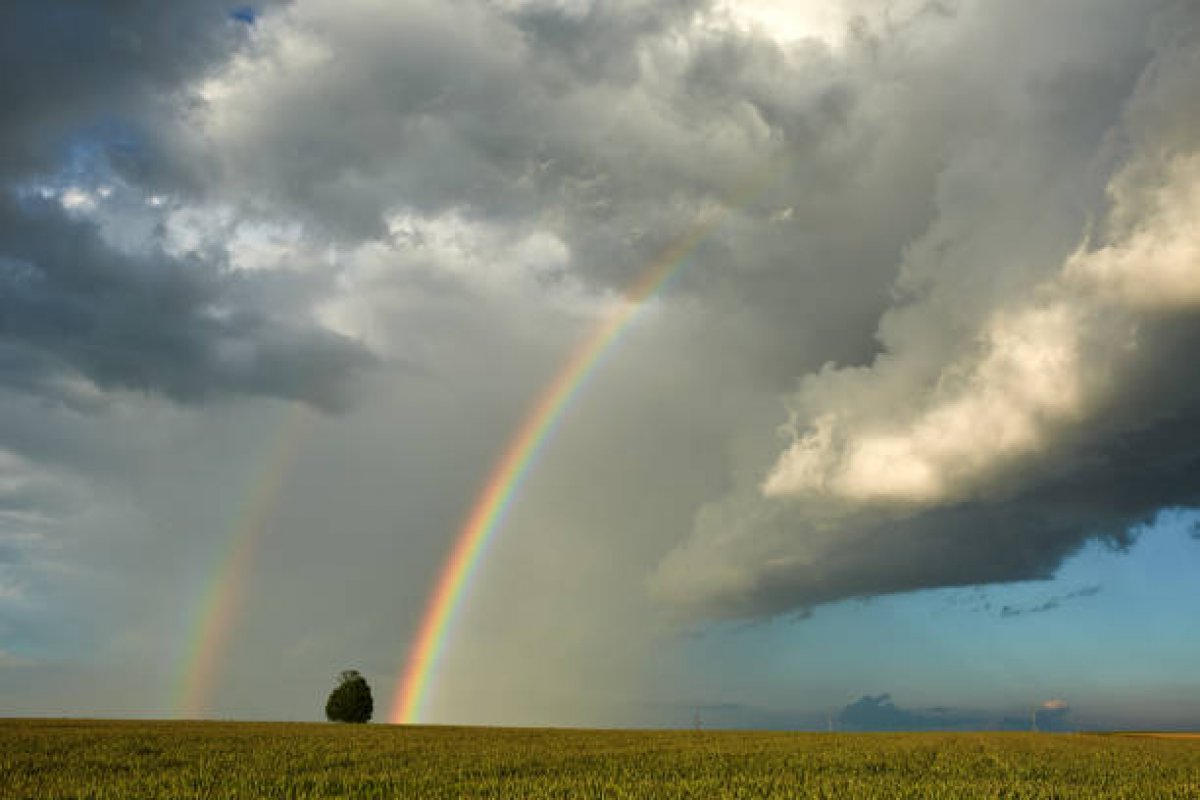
<point x="48" y="759"/>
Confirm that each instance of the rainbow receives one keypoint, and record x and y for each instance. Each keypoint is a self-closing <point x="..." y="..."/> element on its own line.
<point x="507" y="476"/>
<point x="209" y="636"/>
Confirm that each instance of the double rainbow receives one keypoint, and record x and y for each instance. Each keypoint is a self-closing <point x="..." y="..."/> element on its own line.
<point x="209" y="638"/>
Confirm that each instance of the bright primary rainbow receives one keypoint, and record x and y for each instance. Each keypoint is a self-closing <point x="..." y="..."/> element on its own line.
<point x="206" y="645"/>
<point x="493" y="503"/>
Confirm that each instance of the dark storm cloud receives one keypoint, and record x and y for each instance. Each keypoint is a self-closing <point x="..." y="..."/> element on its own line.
<point x="92" y="92"/>
<point x="1138" y="457"/>
<point x="149" y="321"/>
<point x="1120" y="484"/>
<point x="1031" y="394"/>
<point x="71" y="68"/>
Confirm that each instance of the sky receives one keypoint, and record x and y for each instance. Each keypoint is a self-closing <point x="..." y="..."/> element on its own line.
<point x="902" y="435"/>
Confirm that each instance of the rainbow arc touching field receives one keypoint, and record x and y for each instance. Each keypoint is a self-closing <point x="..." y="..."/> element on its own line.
<point x="208" y="640"/>
<point x="505" y="480"/>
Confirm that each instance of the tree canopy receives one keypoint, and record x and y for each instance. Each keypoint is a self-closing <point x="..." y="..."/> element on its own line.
<point x="351" y="700"/>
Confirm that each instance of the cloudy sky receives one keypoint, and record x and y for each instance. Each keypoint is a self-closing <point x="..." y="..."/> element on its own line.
<point x="909" y="440"/>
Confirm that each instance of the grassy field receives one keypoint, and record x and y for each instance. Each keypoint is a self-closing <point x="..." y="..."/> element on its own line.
<point x="47" y="759"/>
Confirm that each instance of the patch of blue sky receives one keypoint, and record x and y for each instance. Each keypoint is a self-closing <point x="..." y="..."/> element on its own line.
<point x="94" y="147"/>
<point x="1113" y="633"/>
<point x="244" y="14"/>
<point x="86" y="162"/>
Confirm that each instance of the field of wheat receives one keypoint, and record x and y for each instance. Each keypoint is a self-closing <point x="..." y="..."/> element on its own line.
<point x="104" y="760"/>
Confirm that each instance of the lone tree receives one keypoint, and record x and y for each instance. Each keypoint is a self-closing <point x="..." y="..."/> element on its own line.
<point x="351" y="701"/>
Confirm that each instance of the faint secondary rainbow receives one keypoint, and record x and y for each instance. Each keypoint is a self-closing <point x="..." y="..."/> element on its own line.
<point x="494" y="501"/>
<point x="206" y="645"/>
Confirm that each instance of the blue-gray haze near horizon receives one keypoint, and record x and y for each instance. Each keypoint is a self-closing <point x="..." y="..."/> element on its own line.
<point x="943" y="342"/>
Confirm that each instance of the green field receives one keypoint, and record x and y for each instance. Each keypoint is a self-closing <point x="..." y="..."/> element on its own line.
<point x="85" y="759"/>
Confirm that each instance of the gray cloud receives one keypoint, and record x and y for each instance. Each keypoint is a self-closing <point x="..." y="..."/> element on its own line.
<point x="595" y="41"/>
<point x="616" y="166"/>
<point x="78" y="74"/>
<point x="1049" y="604"/>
